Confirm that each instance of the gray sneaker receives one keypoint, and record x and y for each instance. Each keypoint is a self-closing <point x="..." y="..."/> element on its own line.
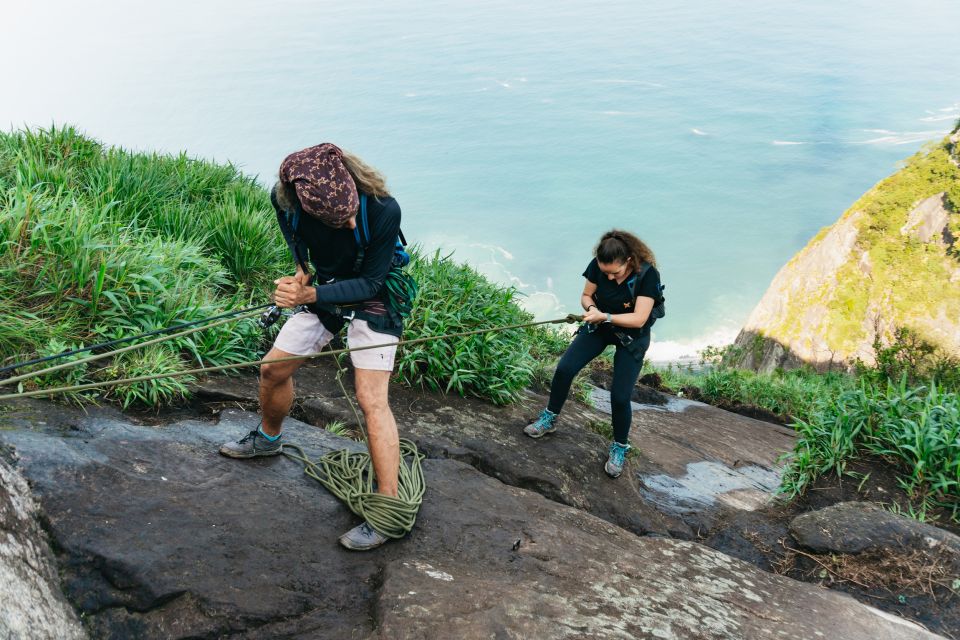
<point x="251" y="445"/>
<point x="544" y="424"/>
<point x="362" y="538"/>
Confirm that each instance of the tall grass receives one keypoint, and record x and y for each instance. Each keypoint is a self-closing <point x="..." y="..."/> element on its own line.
<point x="916" y="428"/>
<point x="455" y="298"/>
<point x="100" y="243"/>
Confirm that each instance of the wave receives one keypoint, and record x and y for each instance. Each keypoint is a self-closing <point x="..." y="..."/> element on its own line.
<point x="906" y="137"/>
<point x="786" y="142"/>
<point x="699" y="132"/>
<point x="949" y="116"/>
<point x="643" y="83"/>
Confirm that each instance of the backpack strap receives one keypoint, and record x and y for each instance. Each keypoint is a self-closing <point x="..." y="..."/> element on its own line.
<point x="361" y="233"/>
<point x="635" y="279"/>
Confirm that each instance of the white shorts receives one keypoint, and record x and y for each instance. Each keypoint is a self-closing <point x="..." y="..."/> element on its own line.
<point x="303" y="334"/>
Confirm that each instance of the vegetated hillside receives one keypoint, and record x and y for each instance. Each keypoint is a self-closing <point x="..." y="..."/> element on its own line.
<point x="890" y="263"/>
<point x="100" y="243"/>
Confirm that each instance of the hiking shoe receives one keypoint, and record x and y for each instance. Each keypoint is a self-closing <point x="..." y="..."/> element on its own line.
<point x="251" y="445"/>
<point x="542" y="425"/>
<point x="616" y="459"/>
<point x="363" y="537"/>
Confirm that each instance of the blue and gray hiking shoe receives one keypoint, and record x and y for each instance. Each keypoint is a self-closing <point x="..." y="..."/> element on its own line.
<point x="251" y="445"/>
<point x="542" y="425"/>
<point x="616" y="459"/>
<point x="363" y="538"/>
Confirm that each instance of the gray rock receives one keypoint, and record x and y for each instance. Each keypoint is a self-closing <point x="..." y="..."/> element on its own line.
<point x="695" y="464"/>
<point x="927" y="220"/>
<point x="566" y="466"/>
<point x="854" y="527"/>
<point x="159" y="537"/>
<point x="33" y="606"/>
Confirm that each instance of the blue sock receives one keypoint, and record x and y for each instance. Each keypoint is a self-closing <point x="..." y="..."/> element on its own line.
<point x="269" y="438"/>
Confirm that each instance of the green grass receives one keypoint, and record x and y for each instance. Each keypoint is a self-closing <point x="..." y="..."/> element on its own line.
<point x="915" y="428"/>
<point x="101" y="243"/>
<point x="455" y="298"/>
<point x="789" y="394"/>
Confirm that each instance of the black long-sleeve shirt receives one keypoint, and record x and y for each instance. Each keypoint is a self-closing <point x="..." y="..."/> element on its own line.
<point x="333" y="252"/>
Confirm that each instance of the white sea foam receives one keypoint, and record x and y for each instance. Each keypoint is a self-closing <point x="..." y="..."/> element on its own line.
<point x="906" y="137"/>
<point x="699" y="132"/>
<point x="689" y="349"/>
<point x="785" y="143"/>
<point x="949" y="116"/>
<point x="493" y="249"/>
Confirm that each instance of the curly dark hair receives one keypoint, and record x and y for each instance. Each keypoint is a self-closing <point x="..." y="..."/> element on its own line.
<point x="617" y="245"/>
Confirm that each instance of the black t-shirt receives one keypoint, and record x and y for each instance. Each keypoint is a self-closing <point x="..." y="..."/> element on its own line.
<point x="615" y="298"/>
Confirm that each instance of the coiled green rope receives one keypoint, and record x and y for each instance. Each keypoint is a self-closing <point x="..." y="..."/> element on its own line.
<point x="349" y="476"/>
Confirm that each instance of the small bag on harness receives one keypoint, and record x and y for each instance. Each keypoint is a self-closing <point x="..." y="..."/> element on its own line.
<point x="400" y="286"/>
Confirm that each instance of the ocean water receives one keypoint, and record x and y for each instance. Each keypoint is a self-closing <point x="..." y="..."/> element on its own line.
<point x="726" y="133"/>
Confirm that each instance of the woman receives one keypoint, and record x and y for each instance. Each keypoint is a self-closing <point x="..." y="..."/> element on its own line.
<point x="622" y="287"/>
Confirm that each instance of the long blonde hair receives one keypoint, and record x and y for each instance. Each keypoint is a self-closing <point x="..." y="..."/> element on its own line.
<point x="369" y="180"/>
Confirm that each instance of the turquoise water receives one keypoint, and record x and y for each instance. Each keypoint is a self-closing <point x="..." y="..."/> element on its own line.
<point x="725" y="133"/>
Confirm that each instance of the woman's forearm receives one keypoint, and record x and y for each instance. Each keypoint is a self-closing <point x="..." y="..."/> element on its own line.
<point x="586" y="302"/>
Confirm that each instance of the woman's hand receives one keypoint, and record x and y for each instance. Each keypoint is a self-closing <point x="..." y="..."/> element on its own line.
<point x="594" y="316"/>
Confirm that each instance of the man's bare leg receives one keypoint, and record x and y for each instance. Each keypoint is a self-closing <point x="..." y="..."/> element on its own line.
<point x="384" y="441"/>
<point x="276" y="390"/>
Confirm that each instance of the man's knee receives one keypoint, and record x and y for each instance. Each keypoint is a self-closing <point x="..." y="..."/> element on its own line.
<point x="372" y="400"/>
<point x="273" y="374"/>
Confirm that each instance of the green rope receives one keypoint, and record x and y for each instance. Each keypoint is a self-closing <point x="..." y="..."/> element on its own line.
<point x="107" y="354"/>
<point x="349" y="476"/>
<point x="252" y="363"/>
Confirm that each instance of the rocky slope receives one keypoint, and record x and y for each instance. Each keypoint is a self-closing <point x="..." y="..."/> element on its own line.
<point x="891" y="261"/>
<point x="157" y="536"/>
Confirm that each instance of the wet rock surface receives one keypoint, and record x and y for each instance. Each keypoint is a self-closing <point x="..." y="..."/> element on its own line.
<point x="159" y="537"/>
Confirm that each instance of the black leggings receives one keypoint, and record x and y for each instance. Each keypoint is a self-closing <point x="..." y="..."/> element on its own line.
<point x="626" y="369"/>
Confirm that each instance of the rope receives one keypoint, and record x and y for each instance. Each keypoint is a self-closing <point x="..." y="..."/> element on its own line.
<point x="349" y="477"/>
<point x="113" y="343"/>
<point x="570" y="318"/>
<point x="107" y="354"/>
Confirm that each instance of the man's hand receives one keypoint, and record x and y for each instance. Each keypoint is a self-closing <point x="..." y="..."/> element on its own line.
<point x="303" y="277"/>
<point x="292" y="292"/>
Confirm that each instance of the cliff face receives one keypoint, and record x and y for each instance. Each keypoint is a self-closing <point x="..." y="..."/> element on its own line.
<point x="891" y="261"/>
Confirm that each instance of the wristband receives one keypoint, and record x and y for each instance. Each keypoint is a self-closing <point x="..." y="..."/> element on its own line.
<point x="593" y="306"/>
<point x="609" y="317"/>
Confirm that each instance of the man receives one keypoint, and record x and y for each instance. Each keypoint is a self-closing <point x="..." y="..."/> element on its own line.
<point x="317" y="200"/>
